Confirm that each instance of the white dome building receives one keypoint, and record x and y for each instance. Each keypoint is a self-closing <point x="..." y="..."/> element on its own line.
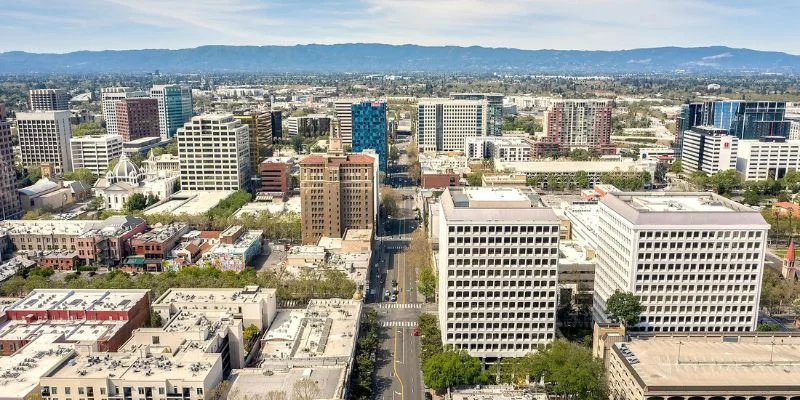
<point x="126" y="179"/>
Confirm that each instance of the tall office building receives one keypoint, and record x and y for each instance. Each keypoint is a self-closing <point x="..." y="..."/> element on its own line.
<point x="494" y="110"/>
<point x="443" y="124"/>
<point x="370" y="130"/>
<point x="48" y="100"/>
<point x="749" y="119"/>
<point x="579" y="123"/>
<point x="694" y="260"/>
<point x="109" y="97"/>
<point x="174" y="107"/>
<point x="277" y="124"/>
<point x="214" y="153"/>
<point x="343" y="111"/>
<point x="338" y="191"/>
<point x="498" y="271"/>
<point x="9" y="202"/>
<point x="259" y="124"/>
<point x="708" y="149"/>
<point x="137" y="118"/>
<point x="689" y="116"/>
<point x="95" y="152"/>
<point x="44" y="138"/>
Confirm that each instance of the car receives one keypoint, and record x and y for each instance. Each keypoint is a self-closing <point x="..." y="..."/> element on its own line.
<point x="394" y="283"/>
<point x="395" y="291"/>
<point x="383" y="279"/>
<point x="386" y="295"/>
<point x="428" y="396"/>
<point x="393" y="298"/>
<point x="415" y="332"/>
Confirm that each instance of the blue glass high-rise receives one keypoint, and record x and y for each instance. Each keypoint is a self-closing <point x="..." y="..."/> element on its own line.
<point x="370" y="130"/>
<point x="749" y="119"/>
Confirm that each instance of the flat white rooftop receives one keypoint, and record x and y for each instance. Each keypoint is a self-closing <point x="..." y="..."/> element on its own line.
<point x="20" y="373"/>
<point x="80" y="299"/>
<point x="256" y="383"/>
<point x="250" y="294"/>
<point x="188" y="202"/>
<point x="678" y="203"/>
<point x="494" y="194"/>
<point x="667" y="208"/>
<point x="73" y="331"/>
<point x="712" y="362"/>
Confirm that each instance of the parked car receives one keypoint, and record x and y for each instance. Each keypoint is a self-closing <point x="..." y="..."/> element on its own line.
<point x="394" y="297"/>
<point x="394" y="283"/>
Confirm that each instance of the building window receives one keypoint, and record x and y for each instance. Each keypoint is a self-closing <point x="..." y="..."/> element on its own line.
<point x="199" y="391"/>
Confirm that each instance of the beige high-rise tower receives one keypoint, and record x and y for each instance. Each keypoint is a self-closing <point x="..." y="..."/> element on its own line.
<point x="338" y="191"/>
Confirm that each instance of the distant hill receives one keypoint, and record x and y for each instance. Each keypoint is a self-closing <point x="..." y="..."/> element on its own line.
<point x="362" y="57"/>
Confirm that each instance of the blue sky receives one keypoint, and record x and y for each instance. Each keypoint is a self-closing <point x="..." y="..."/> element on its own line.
<point x="68" y="25"/>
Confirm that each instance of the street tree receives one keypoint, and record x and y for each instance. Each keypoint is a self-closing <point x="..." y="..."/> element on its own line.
<point x="136" y="202"/>
<point x="452" y="368"/>
<point x="305" y="389"/>
<point x="570" y="370"/>
<point x="624" y="307"/>
<point x="676" y="167"/>
<point x="83" y="175"/>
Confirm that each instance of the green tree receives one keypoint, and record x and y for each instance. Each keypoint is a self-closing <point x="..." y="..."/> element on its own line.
<point x="155" y="320"/>
<point x="389" y="198"/>
<point x="88" y="178"/>
<point x="676" y="167"/>
<point x="87" y="129"/>
<point x="768" y="327"/>
<point x="427" y="283"/>
<point x="297" y="144"/>
<point x="624" y="307"/>
<point x="660" y="173"/>
<point x="136" y="202"/>
<point x="430" y="336"/>
<point x="752" y="198"/>
<point x="95" y="203"/>
<point x="570" y="370"/>
<point x="582" y="179"/>
<point x="475" y="178"/>
<point x="579" y="155"/>
<point x="724" y="182"/>
<point x="452" y="368"/>
<point x="248" y="334"/>
<point x="394" y="154"/>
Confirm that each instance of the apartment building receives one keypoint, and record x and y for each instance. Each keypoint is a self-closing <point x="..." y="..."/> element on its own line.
<point x="259" y="125"/>
<point x="494" y="109"/>
<point x="44" y="138"/>
<point x="578" y="124"/>
<point x="149" y="249"/>
<point x="694" y="260"/>
<point x="498" y="271"/>
<point x="444" y="124"/>
<point x="507" y="149"/>
<point x="214" y="153"/>
<point x="137" y="118"/>
<point x="48" y="100"/>
<point x="708" y="149"/>
<point x="174" y="107"/>
<point x="109" y="97"/>
<point x="9" y="202"/>
<point x="95" y="152"/>
<point x="767" y="159"/>
<point x="338" y="191"/>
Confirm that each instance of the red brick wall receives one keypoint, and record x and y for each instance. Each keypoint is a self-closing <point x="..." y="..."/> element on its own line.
<point x="439" y="181"/>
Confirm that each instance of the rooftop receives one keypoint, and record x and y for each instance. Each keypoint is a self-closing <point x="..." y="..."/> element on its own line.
<point x="660" y="208"/>
<point x="712" y="361"/>
<point x="242" y="244"/>
<point x="10" y="267"/>
<point x="20" y="373"/>
<point x="325" y="329"/>
<point x="73" y="330"/>
<point x="358" y="234"/>
<point x="492" y="204"/>
<point x="162" y="233"/>
<point x="250" y="294"/>
<point x="253" y="383"/>
<point x="188" y="202"/>
<point x="570" y="166"/>
<point x="290" y="205"/>
<point x="80" y="299"/>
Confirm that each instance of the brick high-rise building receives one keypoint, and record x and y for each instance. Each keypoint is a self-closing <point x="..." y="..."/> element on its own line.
<point x="109" y="97"/>
<point x="275" y="173"/>
<point x="579" y="123"/>
<point x="48" y="100"/>
<point x="338" y="191"/>
<point x="137" y="118"/>
<point x="9" y="202"/>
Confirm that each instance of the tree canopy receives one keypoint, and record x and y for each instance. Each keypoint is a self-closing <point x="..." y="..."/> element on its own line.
<point x="624" y="307"/>
<point x="452" y="368"/>
<point x="88" y="178"/>
<point x="570" y="370"/>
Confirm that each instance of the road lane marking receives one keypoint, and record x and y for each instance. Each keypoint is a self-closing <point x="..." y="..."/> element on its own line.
<point x="394" y="366"/>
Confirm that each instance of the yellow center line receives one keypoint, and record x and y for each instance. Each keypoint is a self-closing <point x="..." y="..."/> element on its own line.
<point x="394" y="366"/>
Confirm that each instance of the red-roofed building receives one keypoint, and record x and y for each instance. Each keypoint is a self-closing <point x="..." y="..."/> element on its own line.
<point x="784" y="208"/>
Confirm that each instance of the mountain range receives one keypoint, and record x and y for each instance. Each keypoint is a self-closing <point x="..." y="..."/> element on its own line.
<point x="383" y="58"/>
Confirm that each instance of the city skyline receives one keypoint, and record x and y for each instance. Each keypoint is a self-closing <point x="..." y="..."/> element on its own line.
<point x="523" y="24"/>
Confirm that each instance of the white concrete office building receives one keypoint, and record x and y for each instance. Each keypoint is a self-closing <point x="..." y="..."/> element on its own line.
<point x="694" y="260"/>
<point x="758" y="161"/>
<point x="95" y="152"/>
<point x="44" y="138"/>
<point x="708" y="149"/>
<point x="214" y="153"/>
<point x="444" y="124"/>
<point x="343" y="111"/>
<point x="498" y="271"/>
<point x="109" y="97"/>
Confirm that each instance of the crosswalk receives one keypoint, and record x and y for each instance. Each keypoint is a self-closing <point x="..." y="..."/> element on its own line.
<point x="398" y="324"/>
<point x="400" y="305"/>
<point x="395" y="247"/>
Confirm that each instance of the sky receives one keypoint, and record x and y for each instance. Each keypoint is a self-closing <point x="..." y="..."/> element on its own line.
<point x="60" y="26"/>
